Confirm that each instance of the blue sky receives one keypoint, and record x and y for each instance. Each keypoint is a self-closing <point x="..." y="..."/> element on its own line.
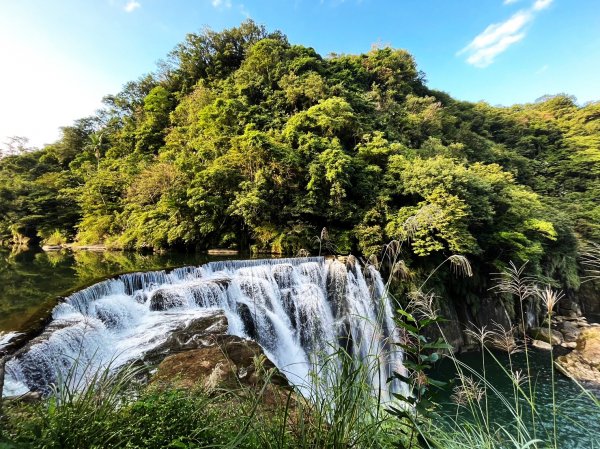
<point x="60" y="57"/>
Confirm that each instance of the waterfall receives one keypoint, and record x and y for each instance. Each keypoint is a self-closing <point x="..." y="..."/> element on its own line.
<point x="299" y="310"/>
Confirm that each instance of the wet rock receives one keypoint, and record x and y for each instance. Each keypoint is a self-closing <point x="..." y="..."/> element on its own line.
<point x="164" y="299"/>
<point x="570" y="331"/>
<point x="192" y="335"/>
<point x="551" y="336"/>
<point x="206" y="293"/>
<point x="541" y="345"/>
<point x="337" y="288"/>
<point x="140" y="296"/>
<point x="247" y="320"/>
<point x="38" y="370"/>
<point x="583" y="363"/>
<point x="283" y="275"/>
<point x="109" y="318"/>
<point x="228" y="362"/>
<point x="492" y="310"/>
<point x="287" y="299"/>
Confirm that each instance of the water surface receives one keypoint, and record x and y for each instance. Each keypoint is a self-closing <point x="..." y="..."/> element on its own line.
<point x="578" y="416"/>
<point x="31" y="281"/>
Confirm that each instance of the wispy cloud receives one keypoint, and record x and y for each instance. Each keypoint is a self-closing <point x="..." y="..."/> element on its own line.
<point x="244" y="11"/>
<point x="542" y="69"/>
<point x="510" y="2"/>
<point x="541" y="4"/>
<point x="222" y="4"/>
<point x="132" y="5"/>
<point x="498" y="37"/>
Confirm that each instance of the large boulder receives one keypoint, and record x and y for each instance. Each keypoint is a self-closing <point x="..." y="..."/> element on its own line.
<point x="165" y="299"/>
<point x="583" y="363"/>
<point x="570" y="331"/>
<point x="228" y="362"/>
<point x="541" y="345"/>
<point x="190" y="335"/>
<point x="551" y="336"/>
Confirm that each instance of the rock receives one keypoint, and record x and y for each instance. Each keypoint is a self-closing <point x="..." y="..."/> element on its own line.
<point x="228" y="362"/>
<point x="192" y="335"/>
<point x="283" y="275"/>
<point x="29" y="398"/>
<point x="140" y="296"/>
<point x="165" y="298"/>
<point x="583" y="363"/>
<point x="570" y="331"/>
<point x="569" y="308"/>
<point x="548" y="335"/>
<point x="582" y="322"/>
<point x="569" y="345"/>
<point x="40" y="372"/>
<point x="541" y="345"/>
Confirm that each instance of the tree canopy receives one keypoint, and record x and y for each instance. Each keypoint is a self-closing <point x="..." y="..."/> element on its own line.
<point x="241" y="139"/>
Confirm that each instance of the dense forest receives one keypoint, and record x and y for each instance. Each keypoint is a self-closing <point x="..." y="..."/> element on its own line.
<point x="243" y="140"/>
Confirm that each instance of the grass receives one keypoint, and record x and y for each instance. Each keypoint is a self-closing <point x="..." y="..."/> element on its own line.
<point x="472" y="424"/>
<point x="114" y="411"/>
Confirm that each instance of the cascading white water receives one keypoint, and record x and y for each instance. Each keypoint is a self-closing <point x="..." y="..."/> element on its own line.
<point x="299" y="310"/>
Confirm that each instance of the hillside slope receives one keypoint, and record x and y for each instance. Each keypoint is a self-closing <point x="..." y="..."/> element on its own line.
<point x="241" y="139"/>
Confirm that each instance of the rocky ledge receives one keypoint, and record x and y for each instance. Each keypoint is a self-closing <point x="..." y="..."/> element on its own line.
<point x="230" y="363"/>
<point x="201" y="355"/>
<point x="564" y="330"/>
<point x="583" y="363"/>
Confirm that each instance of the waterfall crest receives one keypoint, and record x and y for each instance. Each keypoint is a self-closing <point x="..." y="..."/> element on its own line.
<point x="299" y="310"/>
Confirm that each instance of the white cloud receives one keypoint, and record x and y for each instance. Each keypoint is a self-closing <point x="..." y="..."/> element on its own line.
<point x="541" y="4"/>
<point x="510" y="2"/>
<point x="132" y="5"/>
<point x="244" y="11"/>
<point x="498" y="37"/>
<point x="221" y="3"/>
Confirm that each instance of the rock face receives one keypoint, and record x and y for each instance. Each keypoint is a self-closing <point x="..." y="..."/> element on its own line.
<point x="569" y="308"/>
<point x="192" y="335"/>
<point x="583" y="363"/>
<point x="551" y="336"/>
<point x="225" y="362"/>
<point x="201" y="354"/>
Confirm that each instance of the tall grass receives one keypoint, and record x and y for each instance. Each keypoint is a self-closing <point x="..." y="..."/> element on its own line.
<point x="109" y="410"/>
<point x="472" y="424"/>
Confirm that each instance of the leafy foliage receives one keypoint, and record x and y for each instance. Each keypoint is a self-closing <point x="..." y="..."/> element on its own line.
<point x="241" y="139"/>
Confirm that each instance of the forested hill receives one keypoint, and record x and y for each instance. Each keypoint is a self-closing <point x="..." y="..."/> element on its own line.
<point x="241" y="139"/>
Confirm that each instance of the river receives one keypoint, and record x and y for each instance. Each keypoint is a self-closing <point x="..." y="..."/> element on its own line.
<point x="578" y="417"/>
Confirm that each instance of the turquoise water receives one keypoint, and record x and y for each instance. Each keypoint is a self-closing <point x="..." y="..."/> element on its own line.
<point x="578" y="419"/>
